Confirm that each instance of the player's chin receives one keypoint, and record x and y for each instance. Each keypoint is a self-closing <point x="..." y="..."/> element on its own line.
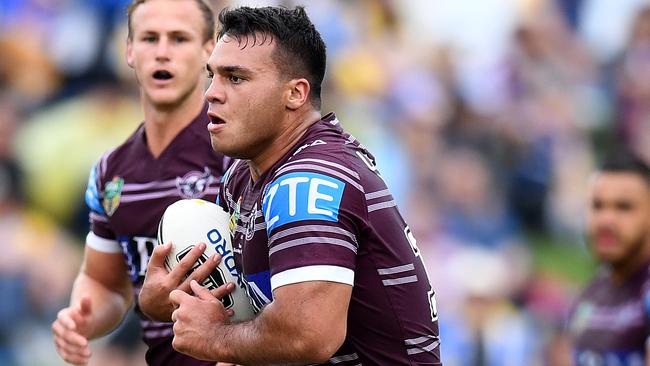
<point x="224" y="146"/>
<point x="164" y="98"/>
<point x="608" y="255"/>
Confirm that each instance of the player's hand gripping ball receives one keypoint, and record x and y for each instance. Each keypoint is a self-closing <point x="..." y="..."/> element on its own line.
<point x="189" y="222"/>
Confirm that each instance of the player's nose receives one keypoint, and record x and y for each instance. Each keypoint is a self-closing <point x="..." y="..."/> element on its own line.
<point x="162" y="49"/>
<point x="215" y="92"/>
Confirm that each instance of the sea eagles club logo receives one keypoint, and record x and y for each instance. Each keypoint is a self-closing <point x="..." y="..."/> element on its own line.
<point x="112" y="194"/>
<point x="194" y="184"/>
<point x="250" y="227"/>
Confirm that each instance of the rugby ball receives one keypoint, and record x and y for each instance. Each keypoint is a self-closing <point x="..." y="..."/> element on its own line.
<point x="188" y="222"/>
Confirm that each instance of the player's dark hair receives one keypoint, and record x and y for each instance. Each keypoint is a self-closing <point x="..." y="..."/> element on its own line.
<point x="206" y="11"/>
<point x="625" y="161"/>
<point x="300" y="50"/>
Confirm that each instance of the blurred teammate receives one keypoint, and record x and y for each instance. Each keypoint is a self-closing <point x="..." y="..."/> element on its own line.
<point x="610" y="323"/>
<point x="331" y="266"/>
<point x="167" y="158"/>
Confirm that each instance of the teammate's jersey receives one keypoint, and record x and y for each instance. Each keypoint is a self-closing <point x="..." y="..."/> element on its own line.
<point x="127" y="193"/>
<point x="610" y="323"/>
<point x="323" y="212"/>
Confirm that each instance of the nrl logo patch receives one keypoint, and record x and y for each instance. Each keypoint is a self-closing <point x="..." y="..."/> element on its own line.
<point x="194" y="184"/>
<point x="112" y="194"/>
<point x="234" y="217"/>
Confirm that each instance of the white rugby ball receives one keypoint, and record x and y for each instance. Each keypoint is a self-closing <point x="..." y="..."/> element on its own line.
<point x="188" y="222"/>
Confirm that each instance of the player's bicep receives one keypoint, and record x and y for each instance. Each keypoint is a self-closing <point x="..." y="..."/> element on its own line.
<point x="318" y="307"/>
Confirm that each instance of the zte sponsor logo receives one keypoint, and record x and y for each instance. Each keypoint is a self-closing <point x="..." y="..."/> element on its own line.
<point x="302" y="196"/>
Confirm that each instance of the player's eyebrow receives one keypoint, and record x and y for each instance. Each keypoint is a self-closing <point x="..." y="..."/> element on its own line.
<point x="172" y="33"/>
<point x="234" y="69"/>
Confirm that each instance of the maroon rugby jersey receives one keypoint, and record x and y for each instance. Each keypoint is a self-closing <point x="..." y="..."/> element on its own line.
<point x="128" y="191"/>
<point x="610" y="323"/>
<point x="323" y="212"/>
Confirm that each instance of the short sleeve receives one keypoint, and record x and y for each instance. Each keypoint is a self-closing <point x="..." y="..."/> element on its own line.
<point x="312" y="211"/>
<point x="101" y="236"/>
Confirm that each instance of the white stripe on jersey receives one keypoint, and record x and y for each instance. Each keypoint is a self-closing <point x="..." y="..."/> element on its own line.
<point x="397" y="269"/>
<point x="313" y="273"/>
<point x="231" y="202"/>
<point x="350" y="140"/>
<point x="242" y="230"/>
<point x="378" y="194"/>
<point x="309" y="228"/>
<point x="145" y="323"/>
<point x="212" y="190"/>
<point x="429" y="348"/>
<point x="382" y="205"/>
<point x="158" y="333"/>
<point x="343" y="358"/>
<point x="148" y="196"/>
<point x="245" y="218"/>
<point x="321" y="169"/>
<point x="325" y="162"/>
<point x="130" y="187"/>
<point x="103" y="162"/>
<point x="312" y="240"/>
<point x="102" y="244"/>
<point x="419" y="340"/>
<point x="400" y="280"/>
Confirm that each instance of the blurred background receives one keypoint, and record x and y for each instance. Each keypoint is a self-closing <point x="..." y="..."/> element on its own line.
<point x="486" y="118"/>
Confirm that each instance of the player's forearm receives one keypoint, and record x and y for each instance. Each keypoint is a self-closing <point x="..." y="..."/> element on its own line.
<point x="108" y="306"/>
<point x="273" y="339"/>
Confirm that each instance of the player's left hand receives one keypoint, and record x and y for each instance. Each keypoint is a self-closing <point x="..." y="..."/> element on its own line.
<point x="159" y="283"/>
<point x="198" y="319"/>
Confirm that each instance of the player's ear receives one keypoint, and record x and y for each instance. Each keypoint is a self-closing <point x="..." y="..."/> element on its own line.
<point x="297" y="93"/>
<point x="129" y="52"/>
<point x="208" y="47"/>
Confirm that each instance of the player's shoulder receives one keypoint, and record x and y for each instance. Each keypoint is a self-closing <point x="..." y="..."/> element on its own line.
<point x="334" y="158"/>
<point x="121" y="152"/>
<point x="323" y="161"/>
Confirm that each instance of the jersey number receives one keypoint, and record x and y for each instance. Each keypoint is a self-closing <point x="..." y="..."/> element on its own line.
<point x="431" y="294"/>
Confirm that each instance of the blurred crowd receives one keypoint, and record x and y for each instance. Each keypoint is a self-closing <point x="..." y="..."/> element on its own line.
<point x="486" y="118"/>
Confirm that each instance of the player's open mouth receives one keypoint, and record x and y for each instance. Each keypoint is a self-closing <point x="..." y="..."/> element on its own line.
<point x="162" y="75"/>
<point x="216" y="120"/>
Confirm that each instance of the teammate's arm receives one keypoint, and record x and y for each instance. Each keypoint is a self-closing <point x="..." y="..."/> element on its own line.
<point x="305" y="323"/>
<point x="101" y="296"/>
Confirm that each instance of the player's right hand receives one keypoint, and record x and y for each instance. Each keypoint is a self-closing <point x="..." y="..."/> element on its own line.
<point x="71" y="329"/>
<point x="159" y="283"/>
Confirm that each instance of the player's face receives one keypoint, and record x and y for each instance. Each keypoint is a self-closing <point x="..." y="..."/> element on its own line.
<point x="167" y="51"/>
<point x="246" y="97"/>
<point x="619" y="216"/>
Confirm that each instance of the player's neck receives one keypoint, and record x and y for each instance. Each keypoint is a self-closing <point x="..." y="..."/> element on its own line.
<point x="162" y="125"/>
<point x="295" y="129"/>
<point x="628" y="268"/>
